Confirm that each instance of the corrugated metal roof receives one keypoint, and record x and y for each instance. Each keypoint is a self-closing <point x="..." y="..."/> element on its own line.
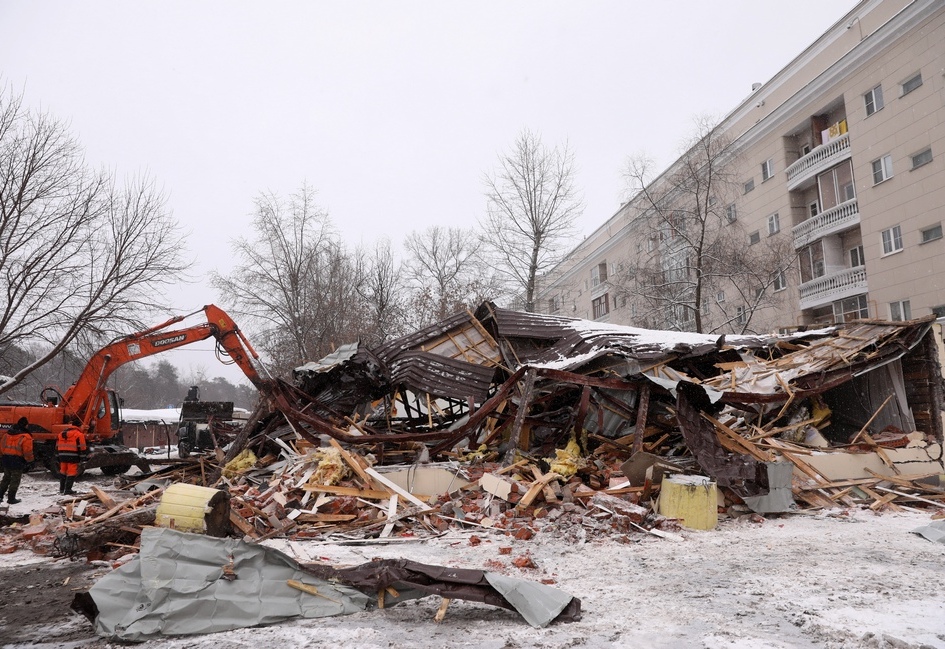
<point x="391" y="348"/>
<point x="852" y="349"/>
<point x="441" y="376"/>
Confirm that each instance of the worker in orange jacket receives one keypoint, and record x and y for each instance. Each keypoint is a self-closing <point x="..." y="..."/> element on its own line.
<point x="71" y="448"/>
<point x="16" y="447"/>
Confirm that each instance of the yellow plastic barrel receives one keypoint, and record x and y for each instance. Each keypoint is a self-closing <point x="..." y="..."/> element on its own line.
<point x="692" y="499"/>
<point x="190" y="508"/>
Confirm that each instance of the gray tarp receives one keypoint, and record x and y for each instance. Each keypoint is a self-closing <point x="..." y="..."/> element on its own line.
<point x="177" y="586"/>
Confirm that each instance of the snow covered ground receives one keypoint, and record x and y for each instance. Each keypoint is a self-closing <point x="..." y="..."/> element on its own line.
<point x="833" y="580"/>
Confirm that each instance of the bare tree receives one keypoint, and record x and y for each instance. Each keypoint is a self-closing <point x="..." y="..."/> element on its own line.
<point x="82" y="258"/>
<point x="690" y="245"/>
<point x="448" y="272"/>
<point x="382" y="290"/>
<point x="295" y="281"/>
<point x="531" y="208"/>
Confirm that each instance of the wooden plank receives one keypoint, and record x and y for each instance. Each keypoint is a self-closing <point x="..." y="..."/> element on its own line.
<point x="391" y="515"/>
<point x="536" y="488"/>
<point x="308" y="588"/>
<point x="885" y="500"/>
<point x="323" y="518"/>
<point x="906" y="480"/>
<point x="749" y="447"/>
<point x="441" y="612"/>
<point x="510" y="468"/>
<point x="369" y="494"/>
<point x="894" y="493"/>
<point x="547" y="491"/>
<point x="103" y="497"/>
<point x="879" y="501"/>
<point x="870" y="420"/>
<point x="127" y="503"/>
<point x="880" y="452"/>
<point x="242" y="524"/>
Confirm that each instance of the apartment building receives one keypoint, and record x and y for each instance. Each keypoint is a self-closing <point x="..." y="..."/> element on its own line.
<point x="834" y="185"/>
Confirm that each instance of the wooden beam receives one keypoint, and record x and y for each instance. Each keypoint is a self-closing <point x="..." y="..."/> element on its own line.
<point x="520" y="415"/>
<point x="870" y="420"/>
<point x="643" y="406"/>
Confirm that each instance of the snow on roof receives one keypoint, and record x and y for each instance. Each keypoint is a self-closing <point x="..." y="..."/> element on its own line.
<point x="662" y="339"/>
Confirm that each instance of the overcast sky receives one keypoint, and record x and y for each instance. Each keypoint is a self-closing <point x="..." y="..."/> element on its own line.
<point x="391" y="110"/>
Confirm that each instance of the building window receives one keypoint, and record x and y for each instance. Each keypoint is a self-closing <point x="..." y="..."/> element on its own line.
<point x="599" y="274"/>
<point x="780" y="281"/>
<point x="921" y="158"/>
<point x="856" y="257"/>
<point x="601" y="306"/>
<point x="931" y="234"/>
<point x="720" y="297"/>
<point x="939" y="311"/>
<point x="750" y="185"/>
<point x="554" y="304"/>
<point x="835" y="186"/>
<point x="900" y="310"/>
<point x="882" y="169"/>
<point x="741" y="315"/>
<point x="814" y="209"/>
<point x="705" y="306"/>
<point x="754" y="238"/>
<point x="911" y="83"/>
<point x="892" y="240"/>
<point x="774" y="224"/>
<point x="851" y="308"/>
<point x="874" y="100"/>
<point x="730" y="213"/>
<point x="651" y="244"/>
<point x="767" y="169"/>
<point x="805" y="150"/>
<point x="677" y="224"/>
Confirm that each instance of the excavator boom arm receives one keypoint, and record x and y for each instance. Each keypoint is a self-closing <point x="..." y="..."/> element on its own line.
<point x="80" y="398"/>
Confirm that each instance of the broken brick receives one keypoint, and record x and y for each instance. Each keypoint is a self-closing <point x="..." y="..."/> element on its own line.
<point x="523" y="562"/>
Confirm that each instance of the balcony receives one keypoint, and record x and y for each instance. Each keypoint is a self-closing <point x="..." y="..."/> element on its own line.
<point x="836" y="286"/>
<point x="841" y="218"/>
<point x="817" y="161"/>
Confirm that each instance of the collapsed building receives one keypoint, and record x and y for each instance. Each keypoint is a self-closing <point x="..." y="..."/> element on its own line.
<point x="739" y="409"/>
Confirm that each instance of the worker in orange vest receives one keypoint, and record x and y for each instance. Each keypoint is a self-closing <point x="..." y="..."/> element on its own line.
<point x="16" y="447"/>
<point x="71" y="448"/>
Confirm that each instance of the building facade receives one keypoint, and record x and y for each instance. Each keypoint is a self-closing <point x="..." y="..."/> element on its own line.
<point x="821" y="202"/>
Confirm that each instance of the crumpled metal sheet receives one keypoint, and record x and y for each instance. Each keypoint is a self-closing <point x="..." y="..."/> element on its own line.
<point x="934" y="531"/>
<point x="538" y="603"/>
<point x="176" y="586"/>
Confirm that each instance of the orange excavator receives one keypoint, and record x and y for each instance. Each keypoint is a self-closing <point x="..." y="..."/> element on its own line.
<point x="94" y="408"/>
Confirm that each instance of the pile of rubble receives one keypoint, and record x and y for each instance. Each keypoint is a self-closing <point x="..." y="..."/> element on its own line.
<point x="522" y="423"/>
